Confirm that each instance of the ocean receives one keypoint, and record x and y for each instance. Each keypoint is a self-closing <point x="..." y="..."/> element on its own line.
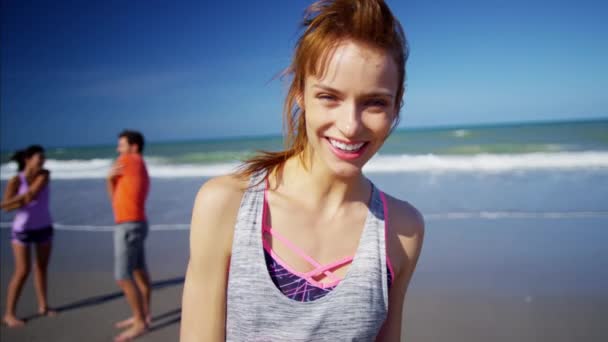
<point x="541" y="146"/>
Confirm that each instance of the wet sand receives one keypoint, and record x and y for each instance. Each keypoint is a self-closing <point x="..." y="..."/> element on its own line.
<point x="82" y="289"/>
<point x="493" y="279"/>
<point x="477" y="280"/>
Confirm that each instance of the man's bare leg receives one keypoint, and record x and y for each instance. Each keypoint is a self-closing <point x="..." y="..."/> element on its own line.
<point x="139" y="325"/>
<point x="142" y="281"/>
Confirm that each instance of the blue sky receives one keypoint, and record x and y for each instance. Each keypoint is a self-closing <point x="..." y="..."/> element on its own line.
<point x="77" y="72"/>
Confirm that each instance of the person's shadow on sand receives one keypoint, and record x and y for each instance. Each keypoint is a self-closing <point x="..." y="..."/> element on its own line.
<point x="175" y="315"/>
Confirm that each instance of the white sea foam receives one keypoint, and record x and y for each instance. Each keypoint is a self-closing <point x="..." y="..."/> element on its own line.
<point x="106" y="228"/>
<point x="445" y="216"/>
<point x="98" y="168"/>
<point x="502" y="215"/>
<point x="489" y="163"/>
<point x="461" y="133"/>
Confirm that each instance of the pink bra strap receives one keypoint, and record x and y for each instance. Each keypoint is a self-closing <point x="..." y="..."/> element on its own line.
<point x="291" y="246"/>
<point x="385" y="208"/>
<point x="299" y="274"/>
<point x="319" y="268"/>
<point x="326" y="268"/>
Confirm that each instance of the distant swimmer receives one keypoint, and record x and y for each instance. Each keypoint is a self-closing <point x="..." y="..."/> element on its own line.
<point x="28" y="193"/>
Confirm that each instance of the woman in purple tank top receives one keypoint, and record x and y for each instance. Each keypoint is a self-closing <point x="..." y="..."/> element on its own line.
<point x="28" y="194"/>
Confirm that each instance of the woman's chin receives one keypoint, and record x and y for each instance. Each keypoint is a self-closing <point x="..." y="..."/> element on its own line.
<point x="345" y="170"/>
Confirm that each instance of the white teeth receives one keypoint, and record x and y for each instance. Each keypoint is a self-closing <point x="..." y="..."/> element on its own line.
<point x="344" y="146"/>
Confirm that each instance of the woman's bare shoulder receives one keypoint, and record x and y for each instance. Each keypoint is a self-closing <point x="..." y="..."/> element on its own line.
<point x="217" y="203"/>
<point x="43" y="175"/>
<point x="406" y="232"/>
<point x="13" y="181"/>
<point x="404" y="217"/>
<point x="222" y="190"/>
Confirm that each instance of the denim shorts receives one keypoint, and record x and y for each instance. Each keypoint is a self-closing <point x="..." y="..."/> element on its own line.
<point x="129" y="252"/>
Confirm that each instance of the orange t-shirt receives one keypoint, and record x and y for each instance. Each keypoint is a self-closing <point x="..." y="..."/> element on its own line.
<point x="131" y="189"/>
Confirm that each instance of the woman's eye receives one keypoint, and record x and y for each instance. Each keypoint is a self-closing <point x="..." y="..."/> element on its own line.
<point x="377" y="103"/>
<point x="326" y="97"/>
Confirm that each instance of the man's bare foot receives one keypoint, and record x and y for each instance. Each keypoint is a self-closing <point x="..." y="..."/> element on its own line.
<point x="124" y="323"/>
<point x="129" y="321"/>
<point x="47" y="312"/>
<point x="12" y="322"/>
<point x="137" y="329"/>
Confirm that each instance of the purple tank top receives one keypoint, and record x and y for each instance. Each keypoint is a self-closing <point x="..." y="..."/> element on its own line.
<point x="36" y="214"/>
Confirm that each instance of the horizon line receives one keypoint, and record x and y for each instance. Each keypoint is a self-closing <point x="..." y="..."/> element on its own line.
<point x="397" y="129"/>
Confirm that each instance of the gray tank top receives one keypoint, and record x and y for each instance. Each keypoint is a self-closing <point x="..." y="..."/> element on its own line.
<point x="257" y="310"/>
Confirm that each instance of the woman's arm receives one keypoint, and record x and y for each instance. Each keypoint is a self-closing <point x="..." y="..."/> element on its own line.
<point x="17" y="201"/>
<point x="405" y="237"/>
<point x="41" y="180"/>
<point x="12" y="187"/>
<point x="204" y="298"/>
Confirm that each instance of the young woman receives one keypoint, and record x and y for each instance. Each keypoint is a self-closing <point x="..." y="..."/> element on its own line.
<point x="300" y="245"/>
<point x="28" y="193"/>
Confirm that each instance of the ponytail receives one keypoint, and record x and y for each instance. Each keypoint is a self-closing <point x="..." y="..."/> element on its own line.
<point x="19" y="158"/>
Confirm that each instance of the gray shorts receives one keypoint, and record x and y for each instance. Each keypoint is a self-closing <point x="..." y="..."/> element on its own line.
<point x="129" y="253"/>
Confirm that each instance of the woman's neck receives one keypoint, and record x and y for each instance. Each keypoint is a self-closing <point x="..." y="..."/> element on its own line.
<point x="30" y="172"/>
<point x="318" y="186"/>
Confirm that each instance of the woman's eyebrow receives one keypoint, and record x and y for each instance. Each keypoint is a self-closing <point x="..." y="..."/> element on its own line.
<point x="382" y="93"/>
<point x="326" y="88"/>
<point x="379" y="94"/>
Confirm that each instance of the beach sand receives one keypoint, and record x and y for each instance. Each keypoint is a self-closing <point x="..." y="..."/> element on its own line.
<point x="458" y="294"/>
<point x="510" y="280"/>
<point x="539" y="278"/>
<point x="82" y="289"/>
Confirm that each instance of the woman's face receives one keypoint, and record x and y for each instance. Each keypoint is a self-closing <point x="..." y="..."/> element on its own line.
<point x="350" y="109"/>
<point x="36" y="161"/>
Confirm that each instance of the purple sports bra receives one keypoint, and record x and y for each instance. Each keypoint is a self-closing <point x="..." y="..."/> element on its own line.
<point x="302" y="286"/>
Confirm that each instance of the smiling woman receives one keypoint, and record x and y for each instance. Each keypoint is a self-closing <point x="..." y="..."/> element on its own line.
<point x="350" y="108"/>
<point x="299" y="245"/>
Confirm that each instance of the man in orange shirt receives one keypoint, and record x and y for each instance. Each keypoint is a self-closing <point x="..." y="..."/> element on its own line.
<point x="128" y="185"/>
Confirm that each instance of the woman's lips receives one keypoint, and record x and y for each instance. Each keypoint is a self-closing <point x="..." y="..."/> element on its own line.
<point x="347" y="150"/>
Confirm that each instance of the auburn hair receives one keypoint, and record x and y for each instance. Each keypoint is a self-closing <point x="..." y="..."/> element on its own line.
<point x="326" y="24"/>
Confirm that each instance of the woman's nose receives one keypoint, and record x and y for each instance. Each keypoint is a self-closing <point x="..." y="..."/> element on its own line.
<point x="348" y="121"/>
